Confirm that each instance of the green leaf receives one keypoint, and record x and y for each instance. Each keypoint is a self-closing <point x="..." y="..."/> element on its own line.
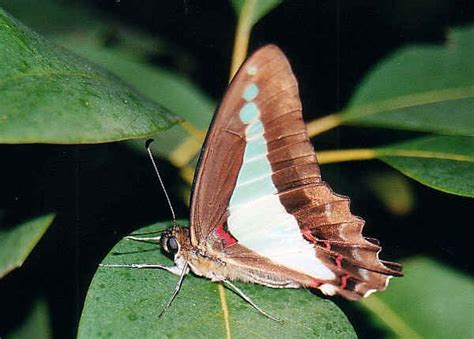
<point x="421" y="88"/>
<point x="430" y="301"/>
<point x="445" y="163"/>
<point x="126" y="303"/>
<point x="18" y="241"/>
<point x="171" y="89"/>
<point x="50" y="95"/>
<point x="257" y="9"/>
<point x="36" y="325"/>
<point x="67" y="16"/>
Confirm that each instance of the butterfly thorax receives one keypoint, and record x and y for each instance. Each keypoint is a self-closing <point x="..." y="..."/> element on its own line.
<point x="177" y="241"/>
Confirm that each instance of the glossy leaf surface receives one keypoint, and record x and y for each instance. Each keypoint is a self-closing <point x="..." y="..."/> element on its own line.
<point x="445" y="163"/>
<point x="421" y="88"/>
<point x="430" y="301"/>
<point x="50" y="95"/>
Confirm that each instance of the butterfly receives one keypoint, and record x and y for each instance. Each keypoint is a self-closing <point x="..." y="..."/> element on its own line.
<point x="260" y="212"/>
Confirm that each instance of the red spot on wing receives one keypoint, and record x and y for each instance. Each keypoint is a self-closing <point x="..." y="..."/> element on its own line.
<point x="328" y="244"/>
<point x="315" y="283"/>
<point x="228" y="239"/>
<point x="339" y="261"/>
<point x="309" y="236"/>
<point x="344" y="280"/>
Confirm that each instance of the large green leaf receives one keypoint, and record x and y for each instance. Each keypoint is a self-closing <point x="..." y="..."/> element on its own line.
<point x="55" y="16"/>
<point x="169" y="88"/>
<point x="18" y="241"/>
<point x="126" y="303"/>
<point x="445" y="163"/>
<point x="430" y="301"/>
<point x="127" y="59"/>
<point x="256" y="9"/>
<point x="172" y="90"/>
<point x="50" y="95"/>
<point x="421" y="88"/>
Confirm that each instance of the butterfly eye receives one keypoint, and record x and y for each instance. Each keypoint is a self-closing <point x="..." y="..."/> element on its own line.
<point x="172" y="245"/>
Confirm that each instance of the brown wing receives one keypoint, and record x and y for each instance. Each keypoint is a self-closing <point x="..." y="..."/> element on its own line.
<point x="222" y="154"/>
<point x="325" y="220"/>
<point x="323" y="217"/>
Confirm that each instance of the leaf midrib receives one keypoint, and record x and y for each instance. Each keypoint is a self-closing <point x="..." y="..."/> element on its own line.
<point x="397" y="324"/>
<point x="407" y="101"/>
<point x="47" y="74"/>
<point x="423" y="154"/>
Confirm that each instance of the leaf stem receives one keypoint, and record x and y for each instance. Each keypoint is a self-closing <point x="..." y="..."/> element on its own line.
<point x="324" y="124"/>
<point x="333" y="120"/>
<point x="385" y="314"/>
<point x="356" y="154"/>
<point x="242" y="36"/>
<point x="197" y="133"/>
<point x="184" y="152"/>
<point x="413" y="153"/>
<point x="329" y="157"/>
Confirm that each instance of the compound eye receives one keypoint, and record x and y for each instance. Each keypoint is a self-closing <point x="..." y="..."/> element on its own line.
<point x="172" y="245"/>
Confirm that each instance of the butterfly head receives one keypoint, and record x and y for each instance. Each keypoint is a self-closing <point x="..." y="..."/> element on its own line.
<point x="173" y="239"/>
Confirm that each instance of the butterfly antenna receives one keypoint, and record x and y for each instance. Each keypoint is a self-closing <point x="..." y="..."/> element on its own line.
<point x="147" y="146"/>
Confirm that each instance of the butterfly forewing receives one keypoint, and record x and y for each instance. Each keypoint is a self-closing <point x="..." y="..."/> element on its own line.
<point x="258" y="175"/>
<point x="267" y="81"/>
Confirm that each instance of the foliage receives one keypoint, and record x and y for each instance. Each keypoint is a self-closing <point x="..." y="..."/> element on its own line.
<point x="69" y="100"/>
<point x="426" y="310"/>
<point x="421" y="88"/>
<point x="441" y="162"/>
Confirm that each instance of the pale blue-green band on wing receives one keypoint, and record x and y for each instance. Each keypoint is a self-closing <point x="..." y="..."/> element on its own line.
<point x="253" y="169"/>
<point x="255" y="148"/>
<point x="253" y="130"/>
<point x="252" y="191"/>
<point x="249" y="112"/>
<point x="255" y="176"/>
<point x="250" y="92"/>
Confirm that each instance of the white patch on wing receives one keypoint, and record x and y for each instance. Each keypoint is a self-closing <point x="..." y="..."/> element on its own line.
<point x="327" y="289"/>
<point x="264" y="226"/>
<point x="388" y="280"/>
<point x="251" y="70"/>
<point x="369" y="292"/>
<point x="364" y="274"/>
<point x="257" y="218"/>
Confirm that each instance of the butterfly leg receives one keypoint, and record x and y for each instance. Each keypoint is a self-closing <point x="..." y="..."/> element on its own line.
<point x="247" y="299"/>
<point x="144" y="239"/>
<point x="177" y="287"/>
<point x="172" y="269"/>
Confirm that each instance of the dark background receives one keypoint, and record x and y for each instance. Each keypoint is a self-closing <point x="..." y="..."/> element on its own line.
<point x="102" y="192"/>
